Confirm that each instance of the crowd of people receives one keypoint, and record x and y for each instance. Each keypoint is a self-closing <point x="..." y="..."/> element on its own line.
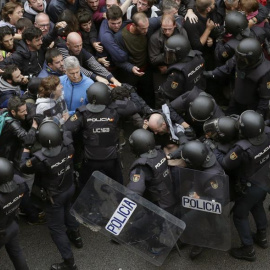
<point x="193" y="77"/>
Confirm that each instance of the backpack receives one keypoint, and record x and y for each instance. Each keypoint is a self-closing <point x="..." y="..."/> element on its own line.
<point x="3" y="119"/>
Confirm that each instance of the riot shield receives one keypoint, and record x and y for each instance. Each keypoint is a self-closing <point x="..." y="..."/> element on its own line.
<point x="262" y="177"/>
<point x="205" y="208"/>
<point x="107" y="206"/>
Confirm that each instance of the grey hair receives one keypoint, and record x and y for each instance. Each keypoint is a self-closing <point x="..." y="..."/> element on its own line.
<point x="40" y="15"/>
<point x="71" y="62"/>
<point x="168" y="5"/>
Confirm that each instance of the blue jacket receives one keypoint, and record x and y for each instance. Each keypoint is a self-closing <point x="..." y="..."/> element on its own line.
<point x="47" y="71"/>
<point x="75" y="93"/>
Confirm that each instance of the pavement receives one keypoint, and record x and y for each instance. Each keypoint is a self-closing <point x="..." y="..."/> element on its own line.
<point x="99" y="253"/>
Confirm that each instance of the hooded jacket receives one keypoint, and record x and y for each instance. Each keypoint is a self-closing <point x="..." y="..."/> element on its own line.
<point x="6" y="91"/>
<point x="30" y="13"/>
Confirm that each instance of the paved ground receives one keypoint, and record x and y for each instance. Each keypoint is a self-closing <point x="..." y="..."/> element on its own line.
<point x="100" y="254"/>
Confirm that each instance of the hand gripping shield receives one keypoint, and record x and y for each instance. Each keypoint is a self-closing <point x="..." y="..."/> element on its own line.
<point x="205" y="208"/>
<point x="126" y="217"/>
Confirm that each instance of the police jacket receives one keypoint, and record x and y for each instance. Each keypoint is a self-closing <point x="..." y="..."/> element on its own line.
<point x="100" y="135"/>
<point x="150" y="178"/>
<point x="184" y="76"/>
<point x="9" y="203"/>
<point x="55" y="174"/>
<point x="181" y="106"/>
<point x="13" y="137"/>
<point x="247" y="158"/>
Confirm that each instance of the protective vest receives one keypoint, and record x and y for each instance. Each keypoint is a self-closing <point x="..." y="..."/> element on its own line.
<point x="246" y="88"/>
<point x="159" y="189"/>
<point x="258" y="157"/>
<point x="59" y="176"/>
<point x="233" y="43"/>
<point x="9" y="203"/>
<point x="191" y="70"/>
<point x="100" y="133"/>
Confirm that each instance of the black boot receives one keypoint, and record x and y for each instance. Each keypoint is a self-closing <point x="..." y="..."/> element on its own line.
<point x="244" y="253"/>
<point x="195" y="252"/>
<point x="67" y="264"/>
<point x="75" y="238"/>
<point x="260" y="238"/>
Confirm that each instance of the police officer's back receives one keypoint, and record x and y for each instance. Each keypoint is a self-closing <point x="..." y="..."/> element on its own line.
<point x="53" y="166"/>
<point x="11" y="195"/>
<point x="98" y="122"/>
<point x="149" y="174"/>
<point x="250" y="157"/>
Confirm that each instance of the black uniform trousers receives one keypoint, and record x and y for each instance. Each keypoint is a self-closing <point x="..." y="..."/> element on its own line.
<point x="11" y="243"/>
<point x="60" y="220"/>
<point x="252" y="202"/>
<point x="110" y="167"/>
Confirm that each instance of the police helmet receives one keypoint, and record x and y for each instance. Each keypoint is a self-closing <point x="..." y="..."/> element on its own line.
<point x="221" y="129"/>
<point x="235" y="23"/>
<point x="202" y="108"/>
<point x="6" y="176"/>
<point x="49" y="134"/>
<point x="176" y="48"/>
<point x="142" y="141"/>
<point x="197" y="155"/>
<point x="248" y="53"/>
<point x="251" y="126"/>
<point x="98" y="96"/>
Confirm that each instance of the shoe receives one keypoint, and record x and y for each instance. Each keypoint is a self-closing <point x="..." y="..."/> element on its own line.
<point x="75" y="238"/>
<point x="260" y="239"/>
<point x="39" y="221"/>
<point x="64" y="266"/>
<point x="244" y="253"/>
<point x="195" y="252"/>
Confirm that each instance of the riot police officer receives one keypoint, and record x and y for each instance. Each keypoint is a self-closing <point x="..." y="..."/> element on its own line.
<point x="236" y="24"/>
<point x="195" y="107"/>
<point x="53" y="166"/>
<point x="252" y="78"/>
<point x="149" y="174"/>
<point x="198" y="157"/>
<point x="98" y="122"/>
<point x="11" y="193"/>
<point x="185" y="70"/>
<point x="250" y="157"/>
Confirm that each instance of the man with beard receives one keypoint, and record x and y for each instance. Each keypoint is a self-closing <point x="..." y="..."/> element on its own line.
<point x="54" y="64"/>
<point x="10" y="84"/>
<point x="33" y="7"/>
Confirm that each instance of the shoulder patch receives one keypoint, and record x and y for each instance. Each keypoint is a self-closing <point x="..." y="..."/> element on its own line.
<point x="73" y="118"/>
<point x="28" y="163"/>
<point x="233" y="156"/>
<point x="225" y="54"/>
<point x="214" y="184"/>
<point x="136" y="178"/>
<point x="174" y="85"/>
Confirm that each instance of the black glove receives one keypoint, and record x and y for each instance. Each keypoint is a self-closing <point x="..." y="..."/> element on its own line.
<point x="29" y="141"/>
<point x="39" y="118"/>
<point x="176" y="154"/>
<point x="182" y="138"/>
<point x="190" y="133"/>
<point x="210" y="144"/>
<point x="208" y="74"/>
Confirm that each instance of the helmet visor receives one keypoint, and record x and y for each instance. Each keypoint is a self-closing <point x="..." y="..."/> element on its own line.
<point x="211" y="129"/>
<point x="169" y="56"/>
